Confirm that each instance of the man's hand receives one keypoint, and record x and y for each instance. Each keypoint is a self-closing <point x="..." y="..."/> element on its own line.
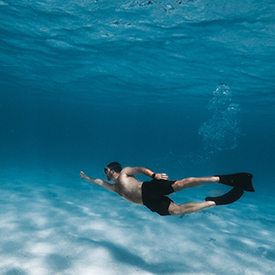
<point x="161" y="176"/>
<point x="83" y="175"/>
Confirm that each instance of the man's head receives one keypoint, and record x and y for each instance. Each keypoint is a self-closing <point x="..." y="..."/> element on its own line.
<point x="111" y="168"/>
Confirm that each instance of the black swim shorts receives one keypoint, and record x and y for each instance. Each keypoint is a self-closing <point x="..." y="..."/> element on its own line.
<point x="153" y="195"/>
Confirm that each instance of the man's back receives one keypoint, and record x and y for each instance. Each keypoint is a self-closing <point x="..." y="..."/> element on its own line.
<point x="128" y="186"/>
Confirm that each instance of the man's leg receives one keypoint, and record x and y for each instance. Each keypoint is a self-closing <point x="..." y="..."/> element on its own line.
<point x="190" y="207"/>
<point x="193" y="182"/>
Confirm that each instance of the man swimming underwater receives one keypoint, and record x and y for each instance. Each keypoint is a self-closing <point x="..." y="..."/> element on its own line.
<point x="153" y="194"/>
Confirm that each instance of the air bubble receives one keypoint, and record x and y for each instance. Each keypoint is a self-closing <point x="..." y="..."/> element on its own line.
<point x="221" y="131"/>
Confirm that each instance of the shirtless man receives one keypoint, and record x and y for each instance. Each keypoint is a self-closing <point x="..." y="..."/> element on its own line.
<point x="153" y="194"/>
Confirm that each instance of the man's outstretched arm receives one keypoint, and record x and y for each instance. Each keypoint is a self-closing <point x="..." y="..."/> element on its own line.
<point x="131" y="171"/>
<point x="99" y="182"/>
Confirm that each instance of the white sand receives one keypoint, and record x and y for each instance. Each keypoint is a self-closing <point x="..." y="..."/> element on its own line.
<point x="56" y="225"/>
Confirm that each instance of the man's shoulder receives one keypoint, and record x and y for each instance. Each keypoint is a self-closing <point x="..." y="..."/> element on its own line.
<point x="126" y="170"/>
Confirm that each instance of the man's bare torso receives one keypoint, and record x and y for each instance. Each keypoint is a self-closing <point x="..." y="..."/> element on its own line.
<point x="129" y="188"/>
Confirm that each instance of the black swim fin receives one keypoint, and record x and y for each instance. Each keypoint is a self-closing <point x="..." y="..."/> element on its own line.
<point x="240" y="180"/>
<point x="230" y="197"/>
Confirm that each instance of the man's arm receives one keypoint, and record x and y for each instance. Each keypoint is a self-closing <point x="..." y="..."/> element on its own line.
<point x="131" y="171"/>
<point x="99" y="182"/>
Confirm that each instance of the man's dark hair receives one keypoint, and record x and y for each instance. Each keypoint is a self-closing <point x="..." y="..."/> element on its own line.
<point x="115" y="166"/>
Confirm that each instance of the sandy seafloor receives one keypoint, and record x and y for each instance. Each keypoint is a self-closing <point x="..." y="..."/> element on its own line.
<point x="51" y="224"/>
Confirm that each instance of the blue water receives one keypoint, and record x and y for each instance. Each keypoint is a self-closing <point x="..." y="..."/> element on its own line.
<point x="182" y="87"/>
